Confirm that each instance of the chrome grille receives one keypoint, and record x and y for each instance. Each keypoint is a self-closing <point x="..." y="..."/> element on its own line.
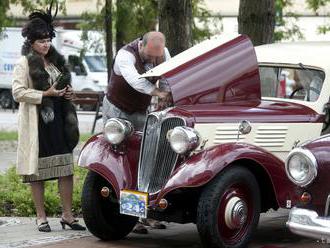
<point x="157" y="159"/>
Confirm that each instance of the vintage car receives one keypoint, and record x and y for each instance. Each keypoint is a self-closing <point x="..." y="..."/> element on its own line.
<point x="216" y="157"/>
<point x="307" y="167"/>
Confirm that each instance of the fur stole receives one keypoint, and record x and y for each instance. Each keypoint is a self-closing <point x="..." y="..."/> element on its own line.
<point x="37" y="70"/>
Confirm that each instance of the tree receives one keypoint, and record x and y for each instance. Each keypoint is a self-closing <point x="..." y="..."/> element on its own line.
<point x="108" y="34"/>
<point x="315" y="5"/>
<point x="256" y="18"/>
<point x="175" y="21"/>
<point x="28" y="6"/>
<point x="133" y="19"/>
<point x="286" y="27"/>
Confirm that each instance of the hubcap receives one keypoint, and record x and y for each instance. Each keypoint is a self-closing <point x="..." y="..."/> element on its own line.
<point x="105" y="192"/>
<point x="235" y="213"/>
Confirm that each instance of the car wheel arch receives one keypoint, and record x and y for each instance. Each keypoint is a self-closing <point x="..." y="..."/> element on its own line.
<point x="267" y="191"/>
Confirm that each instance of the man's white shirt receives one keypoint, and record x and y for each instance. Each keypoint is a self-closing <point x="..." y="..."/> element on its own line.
<point x="124" y="66"/>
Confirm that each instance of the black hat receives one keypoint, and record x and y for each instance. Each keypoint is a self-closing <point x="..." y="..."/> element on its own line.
<point x="40" y="25"/>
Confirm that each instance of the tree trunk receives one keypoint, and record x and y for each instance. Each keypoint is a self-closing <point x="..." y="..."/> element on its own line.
<point x="121" y="23"/>
<point x="256" y="19"/>
<point x="108" y="34"/>
<point x="175" y="21"/>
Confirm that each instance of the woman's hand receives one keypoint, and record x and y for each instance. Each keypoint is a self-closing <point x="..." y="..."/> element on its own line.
<point x="52" y="91"/>
<point x="68" y="95"/>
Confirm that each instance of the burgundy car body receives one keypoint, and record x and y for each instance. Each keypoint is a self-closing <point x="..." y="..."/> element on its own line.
<point x="222" y="85"/>
<point x="310" y="218"/>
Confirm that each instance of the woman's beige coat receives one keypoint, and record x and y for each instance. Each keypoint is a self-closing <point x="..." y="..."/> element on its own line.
<point x="28" y="98"/>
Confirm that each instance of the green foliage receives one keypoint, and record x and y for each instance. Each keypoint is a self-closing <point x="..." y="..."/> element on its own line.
<point x="203" y="21"/>
<point x="133" y="18"/>
<point x="316" y="4"/>
<point x="9" y="136"/>
<point x="28" y="6"/>
<point x="286" y="29"/>
<point x="16" y="200"/>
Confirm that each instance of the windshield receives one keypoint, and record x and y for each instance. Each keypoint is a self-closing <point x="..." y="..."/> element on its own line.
<point x="96" y="63"/>
<point x="292" y="83"/>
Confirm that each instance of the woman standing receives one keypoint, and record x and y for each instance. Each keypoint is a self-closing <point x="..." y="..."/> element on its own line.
<point x="43" y="151"/>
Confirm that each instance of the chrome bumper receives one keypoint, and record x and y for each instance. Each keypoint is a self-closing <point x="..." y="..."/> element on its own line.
<point x="307" y="223"/>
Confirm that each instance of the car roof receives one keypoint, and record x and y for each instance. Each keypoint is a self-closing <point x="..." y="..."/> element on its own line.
<point x="311" y="53"/>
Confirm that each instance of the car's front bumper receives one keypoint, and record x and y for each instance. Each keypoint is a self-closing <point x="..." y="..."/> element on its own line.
<point x="308" y="223"/>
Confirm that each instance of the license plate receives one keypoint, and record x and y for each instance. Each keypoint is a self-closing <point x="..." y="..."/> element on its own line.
<point x="133" y="203"/>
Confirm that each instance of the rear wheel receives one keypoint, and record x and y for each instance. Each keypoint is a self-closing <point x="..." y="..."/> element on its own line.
<point x="101" y="214"/>
<point x="229" y="209"/>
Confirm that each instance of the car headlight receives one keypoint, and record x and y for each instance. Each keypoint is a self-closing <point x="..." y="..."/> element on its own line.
<point x="116" y="130"/>
<point x="183" y="139"/>
<point x="301" y="167"/>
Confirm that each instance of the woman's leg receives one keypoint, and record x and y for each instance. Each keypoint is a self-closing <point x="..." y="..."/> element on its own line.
<point x="38" y="189"/>
<point x="65" y="187"/>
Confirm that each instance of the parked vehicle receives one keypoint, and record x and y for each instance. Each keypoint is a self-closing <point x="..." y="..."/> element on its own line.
<point x="216" y="157"/>
<point x="307" y="166"/>
<point x="89" y="73"/>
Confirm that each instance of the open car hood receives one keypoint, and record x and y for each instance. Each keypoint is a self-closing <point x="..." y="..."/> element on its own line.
<point x="214" y="71"/>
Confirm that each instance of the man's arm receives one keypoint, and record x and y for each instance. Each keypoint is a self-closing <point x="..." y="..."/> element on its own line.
<point x="124" y="66"/>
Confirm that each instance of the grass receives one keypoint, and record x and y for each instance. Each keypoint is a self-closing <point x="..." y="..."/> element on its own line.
<point x="15" y="196"/>
<point x="9" y="136"/>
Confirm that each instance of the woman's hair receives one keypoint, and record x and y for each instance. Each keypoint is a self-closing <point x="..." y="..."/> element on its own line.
<point x="40" y="25"/>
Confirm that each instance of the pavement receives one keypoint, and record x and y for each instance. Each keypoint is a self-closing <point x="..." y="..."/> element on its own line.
<point x="22" y="232"/>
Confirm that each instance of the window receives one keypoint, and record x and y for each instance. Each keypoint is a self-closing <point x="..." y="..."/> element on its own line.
<point x="96" y="63"/>
<point x="76" y="66"/>
<point x="293" y="83"/>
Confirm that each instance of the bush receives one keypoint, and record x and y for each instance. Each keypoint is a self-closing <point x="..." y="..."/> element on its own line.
<point x="16" y="199"/>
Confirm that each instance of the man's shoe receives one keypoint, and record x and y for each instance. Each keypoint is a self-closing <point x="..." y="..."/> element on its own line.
<point x="154" y="224"/>
<point x="140" y="229"/>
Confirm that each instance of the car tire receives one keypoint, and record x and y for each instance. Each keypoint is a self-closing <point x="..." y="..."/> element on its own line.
<point x="101" y="214"/>
<point x="229" y="209"/>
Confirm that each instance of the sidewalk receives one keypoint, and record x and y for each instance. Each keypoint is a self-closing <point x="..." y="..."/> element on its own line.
<point x="22" y="232"/>
<point x="8" y="121"/>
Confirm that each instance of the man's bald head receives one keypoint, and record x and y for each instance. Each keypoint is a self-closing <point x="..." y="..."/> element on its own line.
<point x="153" y="37"/>
<point x="152" y="47"/>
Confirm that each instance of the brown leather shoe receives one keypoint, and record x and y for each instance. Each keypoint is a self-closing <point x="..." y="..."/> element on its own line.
<point x="140" y="229"/>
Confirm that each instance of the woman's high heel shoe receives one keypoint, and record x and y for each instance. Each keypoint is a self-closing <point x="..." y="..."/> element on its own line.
<point x="74" y="225"/>
<point x="43" y="227"/>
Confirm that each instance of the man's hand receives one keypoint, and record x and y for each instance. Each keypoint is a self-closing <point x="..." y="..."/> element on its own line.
<point x="160" y="94"/>
<point x="165" y="98"/>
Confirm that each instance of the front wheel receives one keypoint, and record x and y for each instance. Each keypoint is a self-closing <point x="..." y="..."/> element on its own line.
<point x="101" y="214"/>
<point x="229" y="209"/>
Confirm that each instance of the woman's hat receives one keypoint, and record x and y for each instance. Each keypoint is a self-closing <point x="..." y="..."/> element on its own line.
<point x="40" y="25"/>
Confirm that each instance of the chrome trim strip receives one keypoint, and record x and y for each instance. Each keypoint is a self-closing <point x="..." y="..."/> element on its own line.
<point x="145" y="182"/>
<point x="327" y="204"/>
<point x="307" y="223"/>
